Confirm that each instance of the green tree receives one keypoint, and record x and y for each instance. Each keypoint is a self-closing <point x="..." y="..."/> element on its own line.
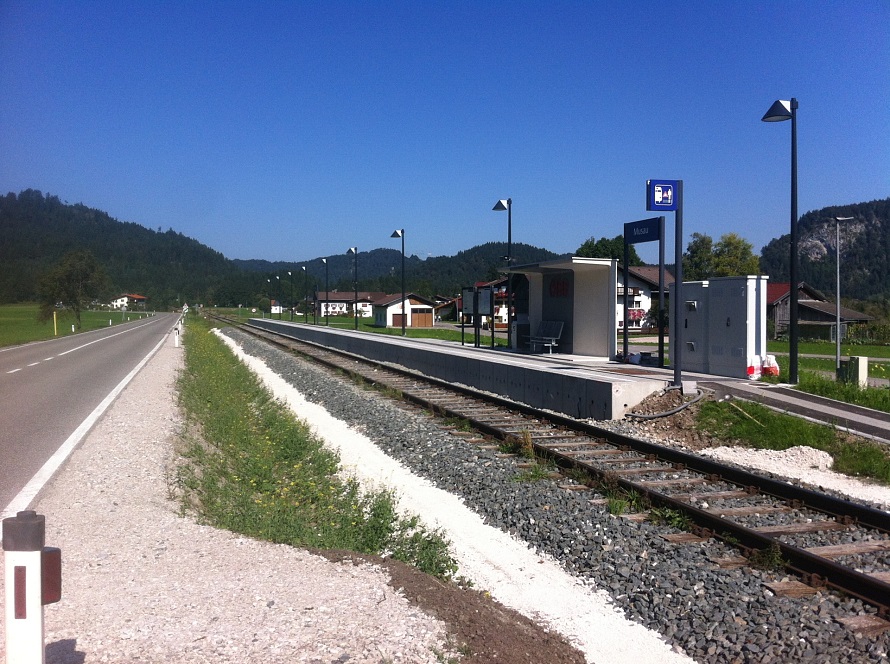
<point x="734" y="256"/>
<point x="698" y="260"/>
<point x="73" y="283"/>
<point x="605" y="248"/>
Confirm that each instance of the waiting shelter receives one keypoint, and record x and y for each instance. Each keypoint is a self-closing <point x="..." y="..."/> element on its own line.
<point x="581" y="293"/>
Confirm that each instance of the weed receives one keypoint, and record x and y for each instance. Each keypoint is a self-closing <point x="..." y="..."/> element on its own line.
<point x="666" y="516"/>
<point x="535" y="473"/>
<point x="768" y="559"/>
<point x="617" y="505"/>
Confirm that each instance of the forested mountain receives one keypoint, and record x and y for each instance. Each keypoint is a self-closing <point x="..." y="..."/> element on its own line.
<point x="167" y="267"/>
<point x="36" y="230"/>
<point x="865" y="251"/>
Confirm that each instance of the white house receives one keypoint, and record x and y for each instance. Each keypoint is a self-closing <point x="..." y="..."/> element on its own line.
<point x="128" y="301"/>
<point x="418" y="311"/>
<point x="336" y="303"/>
<point x="642" y="293"/>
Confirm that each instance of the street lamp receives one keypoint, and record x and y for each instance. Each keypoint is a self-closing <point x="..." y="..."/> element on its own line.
<point x="354" y="252"/>
<point x="401" y="233"/>
<point x="779" y="111"/>
<point x="291" y="275"/>
<point x="278" y="293"/>
<point x="269" y="289"/>
<point x="837" y="306"/>
<point x="305" y="295"/>
<point x="327" y="306"/>
<point x="500" y="206"/>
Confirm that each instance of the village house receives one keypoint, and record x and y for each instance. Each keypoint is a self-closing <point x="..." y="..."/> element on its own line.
<point x="129" y="301"/>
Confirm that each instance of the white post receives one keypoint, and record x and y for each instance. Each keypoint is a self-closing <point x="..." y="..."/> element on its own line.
<point x="23" y="537"/>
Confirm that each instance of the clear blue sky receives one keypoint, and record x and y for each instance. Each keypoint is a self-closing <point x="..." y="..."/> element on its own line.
<point x="292" y="130"/>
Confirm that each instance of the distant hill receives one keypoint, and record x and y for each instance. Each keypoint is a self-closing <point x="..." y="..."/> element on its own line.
<point x="865" y="251"/>
<point x="171" y="269"/>
<point x="167" y="267"/>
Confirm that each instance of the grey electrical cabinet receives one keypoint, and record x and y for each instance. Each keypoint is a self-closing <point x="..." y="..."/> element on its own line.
<point x="724" y="323"/>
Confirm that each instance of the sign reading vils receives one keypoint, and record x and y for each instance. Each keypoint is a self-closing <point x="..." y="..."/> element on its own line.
<point x="662" y="195"/>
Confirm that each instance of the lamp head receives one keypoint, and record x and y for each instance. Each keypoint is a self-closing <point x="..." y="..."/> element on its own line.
<point x="398" y="232"/>
<point x="844" y="218"/>
<point x="780" y="110"/>
<point x="352" y="250"/>
<point x="303" y="267"/>
<point x="324" y="260"/>
<point x="502" y="205"/>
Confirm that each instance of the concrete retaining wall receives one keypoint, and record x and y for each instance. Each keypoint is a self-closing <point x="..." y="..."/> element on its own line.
<point x="581" y="396"/>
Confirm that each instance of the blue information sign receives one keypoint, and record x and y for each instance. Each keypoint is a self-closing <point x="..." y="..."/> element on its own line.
<point x="662" y="194"/>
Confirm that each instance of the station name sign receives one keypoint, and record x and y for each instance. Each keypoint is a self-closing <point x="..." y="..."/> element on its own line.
<point x="646" y="230"/>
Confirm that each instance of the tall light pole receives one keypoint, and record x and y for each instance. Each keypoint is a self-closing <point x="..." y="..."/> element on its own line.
<point x="837" y="307"/>
<point x="354" y="252"/>
<point x="269" y="289"/>
<point x="278" y="293"/>
<point x="500" y="206"/>
<point x="401" y="233"/>
<point x="327" y="306"/>
<point x="305" y="295"/>
<point x="291" y="275"/>
<point x="779" y="111"/>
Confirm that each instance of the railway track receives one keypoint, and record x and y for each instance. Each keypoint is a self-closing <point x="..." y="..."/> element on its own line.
<point x="826" y="541"/>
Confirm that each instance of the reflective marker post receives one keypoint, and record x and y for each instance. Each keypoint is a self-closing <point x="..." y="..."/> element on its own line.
<point x="33" y="574"/>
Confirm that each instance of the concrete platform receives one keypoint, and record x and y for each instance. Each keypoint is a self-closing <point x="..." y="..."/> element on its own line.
<point x="574" y="385"/>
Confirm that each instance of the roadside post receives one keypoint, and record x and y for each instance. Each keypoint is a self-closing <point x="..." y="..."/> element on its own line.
<point x="33" y="574"/>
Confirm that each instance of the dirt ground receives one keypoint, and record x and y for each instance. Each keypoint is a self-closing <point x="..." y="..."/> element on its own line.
<point x="482" y="630"/>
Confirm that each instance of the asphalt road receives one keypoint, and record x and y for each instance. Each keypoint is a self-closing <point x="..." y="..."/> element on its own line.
<point x="51" y="392"/>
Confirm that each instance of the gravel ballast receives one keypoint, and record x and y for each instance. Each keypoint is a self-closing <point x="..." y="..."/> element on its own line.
<point x="711" y="614"/>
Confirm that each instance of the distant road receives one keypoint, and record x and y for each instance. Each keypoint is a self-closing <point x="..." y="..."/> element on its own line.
<point x="50" y="389"/>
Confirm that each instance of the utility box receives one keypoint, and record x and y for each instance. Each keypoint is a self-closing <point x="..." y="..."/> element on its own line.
<point x="695" y="326"/>
<point x="724" y="326"/>
<point x="854" y="370"/>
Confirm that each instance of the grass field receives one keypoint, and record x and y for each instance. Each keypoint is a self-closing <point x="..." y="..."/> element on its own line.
<point x="19" y="325"/>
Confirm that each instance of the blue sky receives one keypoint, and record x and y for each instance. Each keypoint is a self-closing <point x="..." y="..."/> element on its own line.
<point x="292" y="130"/>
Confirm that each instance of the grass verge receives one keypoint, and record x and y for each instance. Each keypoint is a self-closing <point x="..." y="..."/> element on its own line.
<point x="755" y="425"/>
<point x="251" y="467"/>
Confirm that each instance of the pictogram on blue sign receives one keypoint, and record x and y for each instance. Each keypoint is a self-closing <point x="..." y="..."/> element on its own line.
<point x="662" y="194"/>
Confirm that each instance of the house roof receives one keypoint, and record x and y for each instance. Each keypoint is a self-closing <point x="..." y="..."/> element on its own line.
<point x="387" y="300"/>
<point x="830" y="308"/>
<point x="349" y="296"/>
<point x="776" y="291"/>
<point x="649" y="274"/>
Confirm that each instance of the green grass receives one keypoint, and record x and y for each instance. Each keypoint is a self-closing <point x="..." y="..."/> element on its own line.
<point x="19" y="325"/>
<point x="251" y="467"/>
<point x="754" y="425"/>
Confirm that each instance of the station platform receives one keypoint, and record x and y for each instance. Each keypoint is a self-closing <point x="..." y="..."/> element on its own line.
<point x="578" y="386"/>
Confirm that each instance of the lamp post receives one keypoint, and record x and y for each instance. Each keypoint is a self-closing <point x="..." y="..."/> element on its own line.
<point x="278" y="293"/>
<point x="401" y="233"/>
<point x="354" y="252"/>
<point x="269" y="291"/>
<point x="500" y="206"/>
<point x="305" y="295"/>
<point x="837" y="307"/>
<point x="327" y="306"/>
<point x="779" y="111"/>
<point x="291" y="275"/>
